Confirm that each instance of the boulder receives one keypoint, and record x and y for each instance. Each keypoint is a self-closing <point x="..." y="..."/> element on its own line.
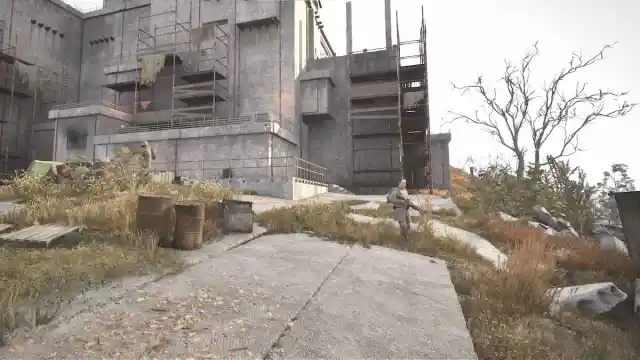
<point x="542" y="215"/>
<point x="591" y="299"/>
<point x="609" y="242"/>
<point x="506" y="217"/>
<point x="556" y="223"/>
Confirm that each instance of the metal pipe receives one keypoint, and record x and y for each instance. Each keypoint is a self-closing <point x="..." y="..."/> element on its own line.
<point x="349" y="29"/>
<point x="387" y="22"/>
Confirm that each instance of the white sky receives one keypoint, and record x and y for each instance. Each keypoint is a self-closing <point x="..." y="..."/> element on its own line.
<point x="471" y="37"/>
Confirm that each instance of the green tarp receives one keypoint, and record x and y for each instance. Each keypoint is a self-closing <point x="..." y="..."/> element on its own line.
<point x="41" y="168"/>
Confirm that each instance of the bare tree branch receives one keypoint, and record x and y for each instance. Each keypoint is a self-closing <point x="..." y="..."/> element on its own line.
<point x="571" y="114"/>
<point x="554" y="112"/>
<point x="512" y="113"/>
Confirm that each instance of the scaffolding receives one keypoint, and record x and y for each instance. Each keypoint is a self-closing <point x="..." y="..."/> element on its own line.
<point x="413" y="110"/>
<point x="201" y="54"/>
<point x="8" y="88"/>
<point x="389" y="116"/>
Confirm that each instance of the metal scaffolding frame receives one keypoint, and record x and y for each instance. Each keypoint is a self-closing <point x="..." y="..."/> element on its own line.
<point x="8" y="54"/>
<point x="395" y="121"/>
<point x="413" y="111"/>
<point x="198" y="87"/>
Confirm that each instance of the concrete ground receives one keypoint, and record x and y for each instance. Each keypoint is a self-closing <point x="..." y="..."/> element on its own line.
<point x="271" y="297"/>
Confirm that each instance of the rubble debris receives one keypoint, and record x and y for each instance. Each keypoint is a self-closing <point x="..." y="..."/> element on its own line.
<point x="609" y="242"/>
<point x="590" y="299"/>
<point x="506" y="217"/>
<point x="557" y="223"/>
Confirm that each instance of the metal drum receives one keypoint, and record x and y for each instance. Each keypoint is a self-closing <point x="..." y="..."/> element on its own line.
<point x="237" y="215"/>
<point x="155" y="213"/>
<point x="190" y="216"/>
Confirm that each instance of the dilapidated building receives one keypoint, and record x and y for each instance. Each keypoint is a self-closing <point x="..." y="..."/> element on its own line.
<point x="249" y="92"/>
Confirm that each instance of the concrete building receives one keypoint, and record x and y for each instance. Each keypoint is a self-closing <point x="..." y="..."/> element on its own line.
<point x="249" y="92"/>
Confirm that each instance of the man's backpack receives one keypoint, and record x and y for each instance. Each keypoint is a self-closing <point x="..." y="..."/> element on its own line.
<point x="389" y="195"/>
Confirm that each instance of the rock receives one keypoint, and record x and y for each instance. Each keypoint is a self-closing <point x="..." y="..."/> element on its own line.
<point x="536" y="225"/>
<point x="542" y="215"/>
<point x="506" y="217"/>
<point x="567" y="233"/>
<point x="559" y="224"/>
<point x="591" y="299"/>
<point x="609" y="242"/>
<point x="333" y="188"/>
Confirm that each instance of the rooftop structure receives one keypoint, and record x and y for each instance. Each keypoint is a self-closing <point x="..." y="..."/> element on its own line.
<point x="250" y="92"/>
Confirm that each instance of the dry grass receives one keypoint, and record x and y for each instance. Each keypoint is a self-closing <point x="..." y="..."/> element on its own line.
<point x="330" y="221"/>
<point x="109" y="246"/>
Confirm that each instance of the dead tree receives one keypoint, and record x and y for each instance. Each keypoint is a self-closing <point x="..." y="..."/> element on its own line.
<point x="569" y="113"/>
<point x="504" y="119"/>
<point x="554" y="112"/>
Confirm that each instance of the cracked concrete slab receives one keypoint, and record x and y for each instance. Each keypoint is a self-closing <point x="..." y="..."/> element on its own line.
<point x="381" y="304"/>
<point x="291" y="296"/>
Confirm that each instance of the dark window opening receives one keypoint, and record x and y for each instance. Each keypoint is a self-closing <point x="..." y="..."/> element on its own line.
<point x="76" y="140"/>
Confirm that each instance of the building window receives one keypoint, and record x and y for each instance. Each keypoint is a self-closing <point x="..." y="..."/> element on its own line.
<point x="76" y="140"/>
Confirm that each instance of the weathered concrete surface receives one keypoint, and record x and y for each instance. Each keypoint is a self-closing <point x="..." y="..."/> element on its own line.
<point x="432" y="202"/>
<point x="482" y="246"/>
<point x="240" y="304"/>
<point x="381" y="304"/>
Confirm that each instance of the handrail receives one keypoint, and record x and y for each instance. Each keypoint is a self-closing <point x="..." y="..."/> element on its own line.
<point x="195" y="121"/>
<point x="202" y="169"/>
<point x="91" y="103"/>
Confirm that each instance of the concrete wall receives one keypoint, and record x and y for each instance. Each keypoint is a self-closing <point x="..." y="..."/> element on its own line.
<point x="328" y="141"/>
<point x="303" y="189"/>
<point x="121" y="23"/>
<point x="440" y="167"/>
<point x="59" y="57"/>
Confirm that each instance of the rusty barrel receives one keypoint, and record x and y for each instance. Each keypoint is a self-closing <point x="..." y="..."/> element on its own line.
<point x="155" y="213"/>
<point x="190" y="216"/>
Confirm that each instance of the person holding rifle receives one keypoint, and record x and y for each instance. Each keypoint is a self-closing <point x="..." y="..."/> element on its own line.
<point x="399" y="197"/>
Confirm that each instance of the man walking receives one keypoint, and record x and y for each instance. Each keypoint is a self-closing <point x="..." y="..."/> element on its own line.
<point x="399" y="197"/>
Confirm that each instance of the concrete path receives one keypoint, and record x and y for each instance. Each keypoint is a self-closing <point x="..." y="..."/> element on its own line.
<point x="278" y="296"/>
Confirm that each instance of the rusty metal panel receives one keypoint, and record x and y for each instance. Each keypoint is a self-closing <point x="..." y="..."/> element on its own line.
<point x="629" y="210"/>
<point x="39" y="236"/>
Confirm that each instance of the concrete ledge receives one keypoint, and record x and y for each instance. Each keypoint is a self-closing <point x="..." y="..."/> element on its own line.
<point x="89" y="110"/>
<point x="129" y="4"/>
<point x="201" y="132"/>
<point x="120" y="68"/>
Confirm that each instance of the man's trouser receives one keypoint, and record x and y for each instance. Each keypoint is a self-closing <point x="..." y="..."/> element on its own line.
<point x="401" y="215"/>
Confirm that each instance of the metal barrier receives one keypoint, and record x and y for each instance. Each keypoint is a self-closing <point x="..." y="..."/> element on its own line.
<point x="629" y="211"/>
<point x="81" y="104"/>
<point x="204" y="121"/>
<point x="258" y="169"/>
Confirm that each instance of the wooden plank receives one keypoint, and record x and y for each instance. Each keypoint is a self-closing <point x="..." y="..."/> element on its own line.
<point x="38" y="236"/>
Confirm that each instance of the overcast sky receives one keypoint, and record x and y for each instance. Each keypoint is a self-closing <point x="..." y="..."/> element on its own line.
<point x="470" y="37"/>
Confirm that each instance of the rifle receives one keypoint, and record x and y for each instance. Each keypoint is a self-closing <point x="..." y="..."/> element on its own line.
<point x="411" y="205"/>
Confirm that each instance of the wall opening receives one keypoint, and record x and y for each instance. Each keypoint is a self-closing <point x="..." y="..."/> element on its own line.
<point x="76" y="139"/>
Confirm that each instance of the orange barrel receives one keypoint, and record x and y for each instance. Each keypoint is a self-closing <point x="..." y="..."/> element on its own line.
<point x="155" y="213"/>
<point x="190" y="216"/>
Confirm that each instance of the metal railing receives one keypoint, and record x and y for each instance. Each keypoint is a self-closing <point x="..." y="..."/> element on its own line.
<point x="250" y="169"/>
<point x="195" y="122"/>
<point x="81" y="104"/>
